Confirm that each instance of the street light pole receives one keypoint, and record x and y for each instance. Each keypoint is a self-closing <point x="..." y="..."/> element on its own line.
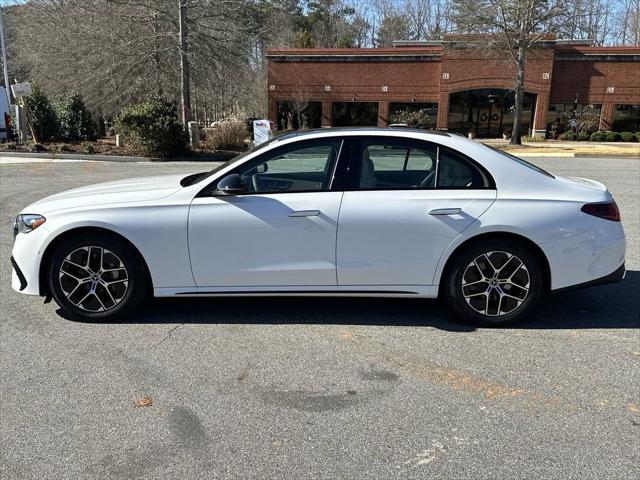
<point x="184" y="64"/>
<point x="4" y="57"/>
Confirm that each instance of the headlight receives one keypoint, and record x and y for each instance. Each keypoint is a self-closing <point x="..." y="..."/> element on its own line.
<point x="26" y="222"/>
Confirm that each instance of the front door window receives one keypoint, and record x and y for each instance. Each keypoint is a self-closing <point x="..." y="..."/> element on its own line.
<point x="301" y="167"/>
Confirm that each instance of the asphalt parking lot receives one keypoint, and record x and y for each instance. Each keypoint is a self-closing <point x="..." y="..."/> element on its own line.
<point x="319" y="388"/>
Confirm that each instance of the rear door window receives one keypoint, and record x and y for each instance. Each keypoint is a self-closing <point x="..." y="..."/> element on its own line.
<point x="391" y="164"/>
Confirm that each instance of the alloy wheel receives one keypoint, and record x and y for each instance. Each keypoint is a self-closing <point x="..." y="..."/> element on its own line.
<point x="495" y="283"/>
<point x="93" y="279"/>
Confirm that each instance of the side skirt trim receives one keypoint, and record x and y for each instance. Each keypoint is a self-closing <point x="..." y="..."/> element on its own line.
<point x="302" y="292"/>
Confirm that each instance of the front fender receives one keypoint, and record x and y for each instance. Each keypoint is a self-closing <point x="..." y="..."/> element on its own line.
<point x="160" y="235"/>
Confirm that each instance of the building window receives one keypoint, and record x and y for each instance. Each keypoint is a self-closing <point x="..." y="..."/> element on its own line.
<point x="418" y="115"/>
<point x="354" y="114"/>
<point x="626" y="118"/>
<point x="562" y="117"/>
<point x="299" y="115"/>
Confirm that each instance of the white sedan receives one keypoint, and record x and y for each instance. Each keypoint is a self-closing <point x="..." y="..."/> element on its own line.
<point x="356" y="212"/>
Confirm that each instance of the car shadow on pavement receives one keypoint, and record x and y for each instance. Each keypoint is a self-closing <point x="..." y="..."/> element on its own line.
<point x="608" y="306"/>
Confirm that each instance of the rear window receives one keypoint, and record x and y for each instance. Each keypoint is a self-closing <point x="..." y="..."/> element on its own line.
<point x="520" y="161"/>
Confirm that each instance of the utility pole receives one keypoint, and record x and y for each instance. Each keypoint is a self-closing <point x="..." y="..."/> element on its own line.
<point x="184" y="64"/>
<point x="5" y="67"/>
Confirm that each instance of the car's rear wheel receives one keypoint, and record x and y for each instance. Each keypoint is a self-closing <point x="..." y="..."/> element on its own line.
<point x="494" y="282"/>
<point x="96" y="277"/>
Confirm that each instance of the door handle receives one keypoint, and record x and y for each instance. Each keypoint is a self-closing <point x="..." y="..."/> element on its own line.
<point x="305" y="213"/>
<point x="445" y="211"/>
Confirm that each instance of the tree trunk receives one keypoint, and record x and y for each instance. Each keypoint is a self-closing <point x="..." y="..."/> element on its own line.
<point x="185" y="84"/>
<point x="519" y="100"/>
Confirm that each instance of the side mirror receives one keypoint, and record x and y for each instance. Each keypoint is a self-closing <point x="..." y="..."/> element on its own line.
<point x="230" y="185"/>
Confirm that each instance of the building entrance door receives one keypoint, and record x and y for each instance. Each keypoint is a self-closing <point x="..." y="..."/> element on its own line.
<point x="487" y="112"/>
<point x="490" y="117"/>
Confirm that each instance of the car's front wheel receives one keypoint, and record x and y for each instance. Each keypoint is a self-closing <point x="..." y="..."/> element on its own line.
<point x="494" y="282"/>
<point x="96" y="277"/>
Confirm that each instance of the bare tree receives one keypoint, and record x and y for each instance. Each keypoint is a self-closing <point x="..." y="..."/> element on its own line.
<point x="587" y="19"/>
<point x="429" y="19"/>
<point x="114" y="52"/>
<point x="628" y="23"/>
<point x="511" y="26"/>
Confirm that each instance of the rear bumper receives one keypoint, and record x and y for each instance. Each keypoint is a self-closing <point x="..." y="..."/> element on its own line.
<point x="613" y="277"/>
<point x="577" y="259"/>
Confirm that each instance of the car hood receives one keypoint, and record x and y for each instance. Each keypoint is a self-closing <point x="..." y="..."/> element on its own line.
<point x="122" y="191"/>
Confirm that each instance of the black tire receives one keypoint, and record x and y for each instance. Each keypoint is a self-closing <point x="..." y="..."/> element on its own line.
<point x="116" y="291"/>
<point x="508" y="300"/>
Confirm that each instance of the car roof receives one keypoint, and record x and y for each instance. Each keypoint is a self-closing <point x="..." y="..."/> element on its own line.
<point x="360" y="131"/>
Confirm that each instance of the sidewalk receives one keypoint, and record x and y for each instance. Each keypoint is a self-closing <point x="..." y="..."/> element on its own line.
<point x="553" y="148"/>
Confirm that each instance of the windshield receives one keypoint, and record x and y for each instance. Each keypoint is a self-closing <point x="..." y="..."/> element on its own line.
<point x="198" y="177"/>
<point x="520" y="161"/>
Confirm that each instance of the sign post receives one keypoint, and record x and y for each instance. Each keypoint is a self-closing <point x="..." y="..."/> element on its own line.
<point x="261" y="131"/>
<point x="20" y="90"/>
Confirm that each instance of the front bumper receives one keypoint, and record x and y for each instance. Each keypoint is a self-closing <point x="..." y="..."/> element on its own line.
<point x="26" y="257"/>
<point x="18" y="280"/>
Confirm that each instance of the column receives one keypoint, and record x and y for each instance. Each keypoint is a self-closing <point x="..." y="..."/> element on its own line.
<point x="383" y="114"/>
<point x="326" y="113"/>
<point x="540" y="115"/>
<point x="272" y="111"/>
<point x="443" y="112"/>
<point x="606" y="116"/>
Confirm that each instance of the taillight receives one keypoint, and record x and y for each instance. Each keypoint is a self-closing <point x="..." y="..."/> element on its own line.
<point x="7" y="121"/>
<point x="606" y="210"/>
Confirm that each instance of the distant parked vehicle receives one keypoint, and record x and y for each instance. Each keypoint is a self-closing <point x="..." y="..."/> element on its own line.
<point x="5" y="114"/>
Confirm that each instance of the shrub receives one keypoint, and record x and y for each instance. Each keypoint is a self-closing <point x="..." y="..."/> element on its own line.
<point x="412" y="118"/>
<point x="532" y="139"/>
<point x="637" y="136"/>
<point x="74" y="120"/>
<point x="64" y="148"/>
<point x="583" y="136"/>
<point x="627" y="136"/>
<point x="226" y="136"/>
<point x="152" y="127"/>
<point x="87" y="147"/>
<point x="37" y="148"/>
<point x="569" y="136"/>
<point x="586" y="121"/>
<point x="612" y="136"/>
<point x="598" y="137"/>
<point x="41" y="115"/>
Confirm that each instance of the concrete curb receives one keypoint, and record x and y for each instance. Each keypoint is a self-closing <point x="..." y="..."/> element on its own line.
<point x="27" y="157"/>
<point x="45" y="156"/>
<point x="629" y="155"/>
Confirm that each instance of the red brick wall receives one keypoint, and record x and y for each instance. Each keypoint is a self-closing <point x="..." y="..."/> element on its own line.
<point x="405" y="80"/>
<point x="469" y="69"/>
<point x="590" y="79"/>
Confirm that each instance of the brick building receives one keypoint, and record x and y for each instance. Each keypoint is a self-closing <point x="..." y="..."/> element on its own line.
<point x="452" y="86"/>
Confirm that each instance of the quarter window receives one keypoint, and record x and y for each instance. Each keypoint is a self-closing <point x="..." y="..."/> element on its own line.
<point x="455" y="171"/>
